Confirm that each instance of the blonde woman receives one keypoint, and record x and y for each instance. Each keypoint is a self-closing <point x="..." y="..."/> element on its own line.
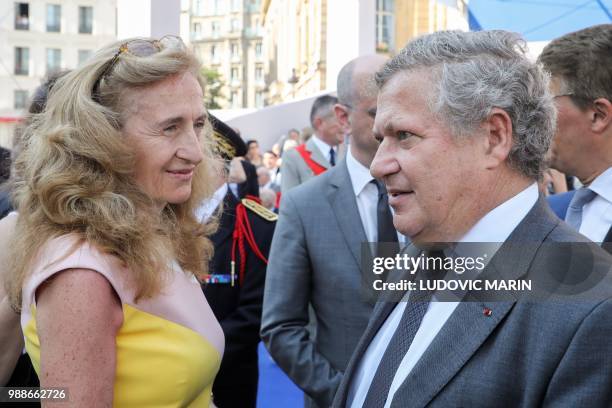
<point x="107" y="249"/>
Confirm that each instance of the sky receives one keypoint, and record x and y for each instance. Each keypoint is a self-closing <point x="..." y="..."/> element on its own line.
<point x="540" y="20"/>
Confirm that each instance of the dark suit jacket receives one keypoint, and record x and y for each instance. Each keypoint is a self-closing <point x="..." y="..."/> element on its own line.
<point x="238" y="308"/>
<point x="560" y="202"/>
<point x="524" y="354"/>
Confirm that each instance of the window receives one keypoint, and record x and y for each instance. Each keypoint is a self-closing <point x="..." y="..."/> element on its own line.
<point x="198" y="8"/>
<point x="215" y="28"/>
<point x="235" y="25"/>
<point x="22" y="16"/>
<point x="214" y="55"/>
<point x="258" y="50"/>
<point x="20" y="99"/>
<point x="234" y="74"/>
<point x="236" y="5"/>
<point x="385" y="30"/>
<point x="197" y="30"/>
<point x="217" y="7"/>
<point x="84" y="56"/>
<point x="234" y="99"/>
<point x="258" y="73"/>
<point x="54" y="60"/>
<point x="85" y="20"/>
<point x="54" y="18"/>
<point x="22" y="61"/>
<point x="234" y="50"/>
<point x="259" y="100"/>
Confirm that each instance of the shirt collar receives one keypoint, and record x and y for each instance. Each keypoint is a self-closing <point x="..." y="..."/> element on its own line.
<point x="498" y="224"/>
<point x="209" y="206"/>
<point x="321" y="145"/>
<point x="601" y="185"/>
<point x="359" y="174"/>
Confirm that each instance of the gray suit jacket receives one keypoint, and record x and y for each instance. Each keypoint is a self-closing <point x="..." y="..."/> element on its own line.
<point x="295" y="171"/>
<point x="314" y="259"/>
<point x="524" y="354"/>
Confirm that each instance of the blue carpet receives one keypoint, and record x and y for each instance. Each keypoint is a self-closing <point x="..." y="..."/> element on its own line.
<point x="276" y="390"/>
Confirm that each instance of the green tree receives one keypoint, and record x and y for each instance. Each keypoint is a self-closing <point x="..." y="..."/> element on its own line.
<point x="213" y="97"/>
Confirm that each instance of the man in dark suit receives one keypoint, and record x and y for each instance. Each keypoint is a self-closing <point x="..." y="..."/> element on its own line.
<point x="581" y="67"/>
<point x="234" y="288"/>
<point x="464" y="121"/>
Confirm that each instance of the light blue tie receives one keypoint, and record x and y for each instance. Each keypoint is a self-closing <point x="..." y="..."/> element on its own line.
<point x="573" y="216"/>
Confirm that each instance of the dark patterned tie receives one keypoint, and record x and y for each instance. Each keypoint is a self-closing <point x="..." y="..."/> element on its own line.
<point x="332" y="157"/>
<point x="384" y="218"/>
<point x="416" y="307"/>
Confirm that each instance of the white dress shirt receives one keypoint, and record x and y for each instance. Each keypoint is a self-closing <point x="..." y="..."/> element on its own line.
<point x="597" y="215"/>
<point x="325" y="148"/>
<point x="208" y="207"/>
<point x="366" y="195"/>
<point x="495" y="226"/>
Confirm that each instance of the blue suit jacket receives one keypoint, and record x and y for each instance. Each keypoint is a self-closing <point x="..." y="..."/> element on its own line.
<point x="559" y="203"/>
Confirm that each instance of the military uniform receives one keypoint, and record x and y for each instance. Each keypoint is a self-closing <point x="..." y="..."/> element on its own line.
<point x="238" y="307"/>
<point x="243" y="239"/>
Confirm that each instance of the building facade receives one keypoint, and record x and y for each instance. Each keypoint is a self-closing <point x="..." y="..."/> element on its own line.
<point x="306" y="42"/>
<point x="227" y="37"/>
<point x="38" y="37"/>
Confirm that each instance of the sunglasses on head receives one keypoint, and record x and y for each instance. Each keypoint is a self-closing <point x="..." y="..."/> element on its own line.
<point x="139" y="47"/>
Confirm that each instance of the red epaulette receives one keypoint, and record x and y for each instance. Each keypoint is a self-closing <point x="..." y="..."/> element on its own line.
<point x="244" y="232"/>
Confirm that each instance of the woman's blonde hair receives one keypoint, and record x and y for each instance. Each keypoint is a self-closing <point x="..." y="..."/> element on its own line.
<point x="74" y="176"/>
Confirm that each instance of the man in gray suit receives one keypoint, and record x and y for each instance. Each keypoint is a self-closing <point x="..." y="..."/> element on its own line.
<point x="315" y="254"/>
<point x="320" y="152"/>
<point x="464" y="121"/>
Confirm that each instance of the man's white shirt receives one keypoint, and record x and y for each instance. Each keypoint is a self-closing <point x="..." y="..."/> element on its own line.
<point x="495" y="226"/>
<point x="366" y="195"/>
<point x="597" y="215"/>
<point x="324" y="148"/>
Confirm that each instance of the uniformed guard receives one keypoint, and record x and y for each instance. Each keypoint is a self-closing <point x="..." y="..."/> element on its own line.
<point x="234" y="288"/>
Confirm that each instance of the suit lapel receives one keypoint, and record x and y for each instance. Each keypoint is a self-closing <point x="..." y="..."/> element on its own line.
<point x="468" y="327"/>
<point x="316" y="154"/>
<point x="461" y="336"/>
<point x="342" y="200"/>
<point x="381" y="311"/>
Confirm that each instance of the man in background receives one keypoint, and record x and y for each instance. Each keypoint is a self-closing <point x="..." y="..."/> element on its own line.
<point x="580" y="64"/>
<point x="316" y="250"/>
<point x="320" y="152"/>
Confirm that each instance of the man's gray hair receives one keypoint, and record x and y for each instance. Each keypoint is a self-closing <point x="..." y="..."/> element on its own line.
<point x="476" y="72"/>
<point x="322" y="107"/>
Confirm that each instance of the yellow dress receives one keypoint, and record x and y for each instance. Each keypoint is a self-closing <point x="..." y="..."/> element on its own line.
<point x="169" y="347"/>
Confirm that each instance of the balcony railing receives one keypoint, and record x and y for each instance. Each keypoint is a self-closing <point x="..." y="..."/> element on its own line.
<point x="22" y="23"/>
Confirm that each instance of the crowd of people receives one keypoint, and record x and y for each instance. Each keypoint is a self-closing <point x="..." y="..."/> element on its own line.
<point x="148" y="248"/>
